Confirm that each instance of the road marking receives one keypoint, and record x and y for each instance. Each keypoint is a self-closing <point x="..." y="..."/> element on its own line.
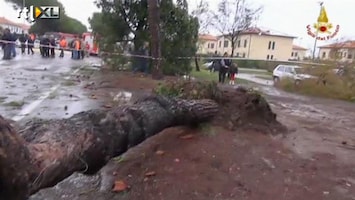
<point x="30" y="107"/>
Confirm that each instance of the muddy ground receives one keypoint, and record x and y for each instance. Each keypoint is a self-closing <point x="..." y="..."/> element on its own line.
<point x="313" y="160"/>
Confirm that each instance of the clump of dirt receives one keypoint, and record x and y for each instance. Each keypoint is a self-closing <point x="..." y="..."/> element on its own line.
<point x="239" y="108"/>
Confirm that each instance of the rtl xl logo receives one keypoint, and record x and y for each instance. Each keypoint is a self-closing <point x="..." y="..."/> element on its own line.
<point x="33" y="13"/>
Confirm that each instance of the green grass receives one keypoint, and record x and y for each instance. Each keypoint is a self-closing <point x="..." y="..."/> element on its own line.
<point x="335" y="88"/>
<point x="207" y="76"/>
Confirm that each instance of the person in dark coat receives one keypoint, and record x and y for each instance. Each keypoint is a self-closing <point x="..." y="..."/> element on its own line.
<point x="44" y="46"/>
<point x="216" y="63"/>
<point x="41" y="44"/>
<point x="225" y="64"/>
<point x="6" y="46"/>
<point x="52" y="46"/>
<point x="13" y="44"/>
<point x="23" y="40"/>
<point x="72" y="46"/>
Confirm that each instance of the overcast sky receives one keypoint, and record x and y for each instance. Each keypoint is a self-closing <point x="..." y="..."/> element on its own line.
<point x="288" y="16"/>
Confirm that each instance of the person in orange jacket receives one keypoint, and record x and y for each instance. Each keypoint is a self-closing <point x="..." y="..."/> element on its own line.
<point x="63" y="45"/>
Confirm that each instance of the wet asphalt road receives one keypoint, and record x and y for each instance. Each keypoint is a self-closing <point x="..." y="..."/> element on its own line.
<point x="32" y="86"/>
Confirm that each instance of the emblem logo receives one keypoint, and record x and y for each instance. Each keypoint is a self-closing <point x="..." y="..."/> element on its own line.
<point x="322" y="30"/>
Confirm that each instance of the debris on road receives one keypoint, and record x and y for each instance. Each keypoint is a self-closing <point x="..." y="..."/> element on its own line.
<point x="120" y="186"/>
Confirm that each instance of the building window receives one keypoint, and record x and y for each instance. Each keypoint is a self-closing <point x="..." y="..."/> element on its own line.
<point x="269" y="45"/>
<point x="220" y="44"/>
<point x="243" y="55"/>
<point x="323" y="55"/>
<point x="208" y="45"/>
<point x="271" y="57"/>
<point x="212" y="45"/>
<point x="296" y="54"/>
<point x="238" y="43"/>
<point x="350" y="56"/>
<point x="225" y="44"/>
<point x="237" y="54"/>
<point x="267" y="57"/>
<point x="273" y="45"/>
<point x="292" y="54"/>
<point x="344" y="54"/>
<point x="245" y="43"/>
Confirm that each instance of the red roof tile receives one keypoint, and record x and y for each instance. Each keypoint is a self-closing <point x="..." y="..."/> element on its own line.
<point x="207" y="37"/>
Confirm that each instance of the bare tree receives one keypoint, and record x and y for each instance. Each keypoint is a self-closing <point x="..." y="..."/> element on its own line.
<point x="204" y="16"/>
<point x="234" y="17"/>
<point x="154" y="28"/>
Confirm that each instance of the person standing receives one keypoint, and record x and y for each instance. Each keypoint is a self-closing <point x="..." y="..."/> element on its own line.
<point x="45" y="46"/>
<point x="77" y="49"/>
<point x="52" y="45"/>
<point x="41" y="45"/>
<point x="30" y="44"/>
<point x="6" y="45"/>
<point x="23" y="40"/>
<point x="13" y="44"/>
<point x="82" y="48"/>
<point x="72" y="47"/>
<point x="62" y="45"/>
<point x="225" y="64"/>
<point x="233" y="71"/>
<point x="216" y="63"/>
<point x="87" y="49"/>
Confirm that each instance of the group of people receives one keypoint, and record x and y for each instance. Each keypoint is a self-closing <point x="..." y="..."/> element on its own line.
<point x="226" y="68"/>
<point x="8" y="43"/>
<point x="77" y="46"/>
<point x="47" y="47"/>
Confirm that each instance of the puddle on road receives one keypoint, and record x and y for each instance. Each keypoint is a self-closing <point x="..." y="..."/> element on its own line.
<point x="252" y="78"/>
<point x="304" y="110"/>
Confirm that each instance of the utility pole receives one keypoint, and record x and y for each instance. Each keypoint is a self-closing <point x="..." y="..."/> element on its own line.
<point x="154" y="28"/>
<point x="315" y="40"/>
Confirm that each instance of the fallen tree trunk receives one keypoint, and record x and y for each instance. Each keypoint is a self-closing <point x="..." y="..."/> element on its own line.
<point x="47" y="151"/>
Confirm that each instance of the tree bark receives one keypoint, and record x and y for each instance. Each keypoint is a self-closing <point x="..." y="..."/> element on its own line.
<point x="47" y="151"/>
<point x="154" y="28"/>
<point x="196" y="64"/>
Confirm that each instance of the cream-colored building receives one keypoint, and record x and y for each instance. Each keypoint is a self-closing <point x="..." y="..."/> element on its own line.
<point x="298" y="53"/>
<point x="14" y="27"/>
<point x="252" y="44"/>
<point x="207" y="44"/>
<point x="341" y="51"/>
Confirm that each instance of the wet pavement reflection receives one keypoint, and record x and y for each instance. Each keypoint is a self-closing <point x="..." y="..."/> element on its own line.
<point x="32" y="86"/>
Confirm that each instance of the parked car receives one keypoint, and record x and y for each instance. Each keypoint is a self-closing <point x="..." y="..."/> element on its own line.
<point x="208" y="65"/>
<point x="290" y="71"/>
